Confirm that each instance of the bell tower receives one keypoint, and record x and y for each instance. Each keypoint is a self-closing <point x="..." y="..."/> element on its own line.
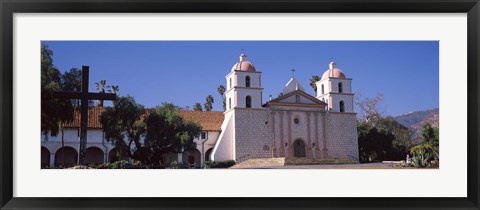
<point x="335" y="90"/>
<point x="244" y="87"/>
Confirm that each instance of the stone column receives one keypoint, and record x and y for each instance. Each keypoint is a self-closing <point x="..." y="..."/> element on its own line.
<point x="316" y="148"/>
<point x="272" y="120"/>
<point x="52" y="160"/>
<point x="309" y="142"/>
<point x="282" y="143"/>
<point x="289" y="133"/>
<point x="325" y="148"/>
<point x="179" y="157"/>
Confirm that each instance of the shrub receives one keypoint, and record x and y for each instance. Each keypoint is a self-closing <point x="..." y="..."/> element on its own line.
<point x="121" y="164"/>
<point x="221" y="164"/>
<point x="422" y="154"/>
<point x="103" y="166"/>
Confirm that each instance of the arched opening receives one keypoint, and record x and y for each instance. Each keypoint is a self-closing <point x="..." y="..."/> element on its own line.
<point x="323" y="89"/>
<point x="115" y="155"/>
<point x="66" y="157"/>
<point x="340" y="87"/>
<point x="248" y="102"/>
<point x="94" y="155"/>
<point x="342" y="106"/>
<point x="208" y="153"/>
<point x="45" y="160"/>
<point x="297" y="99"/>
<point x="193" y="158"/>
<point x="229" y="103"/>
<point x="230" y="82"/>
<point x="299" y="148"/>
<point x="247" y="81"/>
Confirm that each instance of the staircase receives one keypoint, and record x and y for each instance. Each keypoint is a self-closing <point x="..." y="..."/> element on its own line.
<point x="268" y="162"/>
<point x="260" y="162"/>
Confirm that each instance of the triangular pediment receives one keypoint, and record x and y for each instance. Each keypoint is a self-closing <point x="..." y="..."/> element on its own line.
<point x="297" y="97"/>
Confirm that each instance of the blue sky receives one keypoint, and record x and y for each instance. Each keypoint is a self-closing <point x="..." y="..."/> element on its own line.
<point x="185" y="72"/>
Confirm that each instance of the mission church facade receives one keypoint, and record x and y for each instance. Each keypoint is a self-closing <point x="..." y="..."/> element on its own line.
<point x="294" y="125"/>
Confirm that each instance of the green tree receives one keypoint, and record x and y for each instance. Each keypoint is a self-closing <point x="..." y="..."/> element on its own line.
<point x="54" y="112"/>
<point x="162" y="130"/>
<point x="123" y="125"/>
<point x="313" y="80"/>
<point x="166" y="131"/>
<point x="221" y="91"/>
<point x="208" y="103"/>
<point x="197" y="107"/>
<point x="431" y="137"/>
<point x="72" y="82"/>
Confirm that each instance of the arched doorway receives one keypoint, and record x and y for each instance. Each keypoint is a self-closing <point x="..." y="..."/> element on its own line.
<point x="94" y="155"/>
<point x="298" y="148"/>
<point x="192" y="158"/>
<point x="208" y="153"/>
<point x="66" y="157"/>
<point x="115" y="155"/>
<point x="45" y="158"/>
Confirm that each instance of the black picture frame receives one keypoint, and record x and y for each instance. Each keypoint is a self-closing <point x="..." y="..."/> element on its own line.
<point x="10" y="7"/>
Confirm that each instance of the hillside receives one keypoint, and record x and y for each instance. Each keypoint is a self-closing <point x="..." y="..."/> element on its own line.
<point x="415" y="120"/>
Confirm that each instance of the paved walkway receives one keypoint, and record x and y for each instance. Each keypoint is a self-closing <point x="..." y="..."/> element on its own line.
<point x="340" y="166"/>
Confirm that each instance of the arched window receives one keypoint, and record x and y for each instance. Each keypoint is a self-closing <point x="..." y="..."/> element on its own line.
<point x="247" y="81"/>
<point x="297" y="99"/>
<point x="230" y="82"/>
<point x="229" y="103"/>
<point x="340" y="87"/>
<point x="248" y="102"/>
<point x="323" y="89"/>
<point x="342" y="107"/>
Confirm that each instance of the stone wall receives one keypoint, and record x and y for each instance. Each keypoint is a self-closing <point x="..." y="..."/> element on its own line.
<point x="252" y="135"/>
<point x="342" y="140"/>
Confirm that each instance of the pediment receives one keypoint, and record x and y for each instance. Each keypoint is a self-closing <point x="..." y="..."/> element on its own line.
<point x="297" y="97"/>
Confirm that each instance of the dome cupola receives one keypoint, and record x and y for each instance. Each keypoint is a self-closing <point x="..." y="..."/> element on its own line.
<point x="332" y="71"/>
<point x="243" y="64"/>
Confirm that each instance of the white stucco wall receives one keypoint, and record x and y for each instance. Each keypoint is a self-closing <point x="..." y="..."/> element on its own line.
<point x="223" y="149"/>
<point x="347" y="102"/>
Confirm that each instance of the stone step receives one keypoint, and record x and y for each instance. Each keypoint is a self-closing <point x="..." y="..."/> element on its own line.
<point x="265" y="162"/>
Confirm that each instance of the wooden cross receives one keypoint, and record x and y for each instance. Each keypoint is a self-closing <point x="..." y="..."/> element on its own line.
<point x="84" y="97"/>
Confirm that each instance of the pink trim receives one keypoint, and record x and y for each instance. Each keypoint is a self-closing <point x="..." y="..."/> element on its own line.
<point x="282" y="146"/>
<point x="289" y="114"/>
<point x="308" y="133"/>
<point x="316" y="134"/>
<point x="273" y="134"/>
<point x="325" y="150"/>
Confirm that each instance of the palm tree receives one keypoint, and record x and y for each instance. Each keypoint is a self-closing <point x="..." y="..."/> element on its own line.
<point x="221" y="91"/>
<point x="101" y="86"/>
<point x="197" y="107"/>
<point x="313" y="81"/>
<point x="208" y="103"/>
<point x="114" y="89"/>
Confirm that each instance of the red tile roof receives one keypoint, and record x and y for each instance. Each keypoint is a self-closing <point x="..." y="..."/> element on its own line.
<point x="209" y="121"/>
<point x="93" y="118"/>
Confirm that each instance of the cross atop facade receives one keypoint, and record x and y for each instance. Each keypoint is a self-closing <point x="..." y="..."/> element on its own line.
<point x="84" y="96"/>
<point x="293" y="72"/>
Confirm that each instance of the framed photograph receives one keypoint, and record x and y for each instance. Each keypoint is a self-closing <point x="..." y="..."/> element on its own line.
<point x="293" y="122"/>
